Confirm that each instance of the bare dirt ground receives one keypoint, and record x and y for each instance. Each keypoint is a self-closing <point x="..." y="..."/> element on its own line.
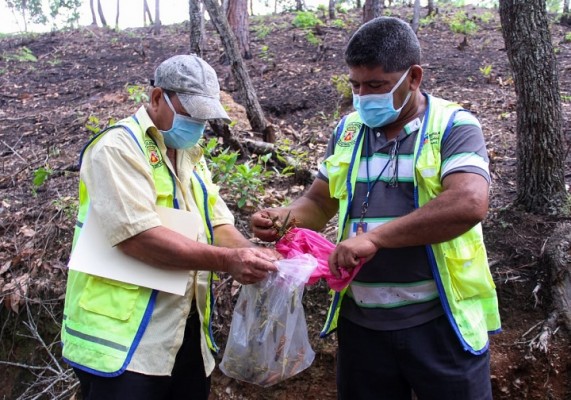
<point x="44" y="109"/>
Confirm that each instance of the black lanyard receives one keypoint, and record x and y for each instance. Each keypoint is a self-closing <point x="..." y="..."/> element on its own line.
<point x="393" y="154"/>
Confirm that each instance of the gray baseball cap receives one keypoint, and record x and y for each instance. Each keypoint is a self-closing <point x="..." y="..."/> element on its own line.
<point x="195" y="83"/>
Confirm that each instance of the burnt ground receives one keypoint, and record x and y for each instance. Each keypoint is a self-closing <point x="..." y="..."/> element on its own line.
<point x="45" y="107"/>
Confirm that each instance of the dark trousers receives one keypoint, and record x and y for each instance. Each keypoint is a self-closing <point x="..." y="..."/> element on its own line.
<point x="187" y="381"/>
<point x="391" y="364"/>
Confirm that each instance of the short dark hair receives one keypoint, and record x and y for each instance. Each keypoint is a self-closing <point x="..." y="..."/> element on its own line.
<point x="384" y="41"/>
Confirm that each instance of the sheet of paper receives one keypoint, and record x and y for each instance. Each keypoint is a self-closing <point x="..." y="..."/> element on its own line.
<point x="94" y="255"/>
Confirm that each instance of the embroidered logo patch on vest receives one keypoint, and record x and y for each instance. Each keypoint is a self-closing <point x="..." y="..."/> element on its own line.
<point x="349" y="135"/>
<point x="155" y="158"/>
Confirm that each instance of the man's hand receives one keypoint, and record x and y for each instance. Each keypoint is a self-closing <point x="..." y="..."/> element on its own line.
<point x="263" y="223"/>
<point x="350" y="252"/>
<point x="249" y="265"/>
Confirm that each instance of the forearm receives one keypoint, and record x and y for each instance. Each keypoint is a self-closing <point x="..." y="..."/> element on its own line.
<point x="443" y="218"/>
<point x="164" y="248"/>
<point x="229" y="236"/>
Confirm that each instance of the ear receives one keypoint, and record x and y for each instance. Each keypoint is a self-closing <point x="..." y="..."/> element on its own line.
<point x="416" y="74"/>
<point x="156" y="95"/>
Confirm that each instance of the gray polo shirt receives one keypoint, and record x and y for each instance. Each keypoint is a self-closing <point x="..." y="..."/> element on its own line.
<point x="386" y="170"/>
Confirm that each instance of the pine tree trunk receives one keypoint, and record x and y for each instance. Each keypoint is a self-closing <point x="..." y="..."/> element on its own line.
<point x="93" y="18"/>
<point x="157" y="26"/>
<point x="416" y="16"/>
<point x="247" y="92"/>
<point x="331" y="10"/>
<point x="540" y="150"/>
<point x="147" y="13"/>
<point x="372" y="9"/>
<point x="101" y="16"/>
<point x="117" y="15"/>
<point x="196" y="27"/>
<point x="430" y="7"/>
<point x="237" y="15"/>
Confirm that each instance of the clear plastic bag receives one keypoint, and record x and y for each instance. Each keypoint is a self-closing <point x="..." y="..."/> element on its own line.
<point x="268" y="340"/>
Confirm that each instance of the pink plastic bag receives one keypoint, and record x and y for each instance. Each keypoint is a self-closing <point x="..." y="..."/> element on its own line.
<point x="305" y="241"/>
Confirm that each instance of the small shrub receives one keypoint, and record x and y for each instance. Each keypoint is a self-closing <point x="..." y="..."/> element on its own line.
<point x="460" y="23"/>
<point x="305" y="20"/>
<point x="342" y="85"/>
<point x="137" y="93"/>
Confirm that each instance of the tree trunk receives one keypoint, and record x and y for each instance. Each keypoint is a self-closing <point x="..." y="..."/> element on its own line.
<point x="358" y="4"/>
<point x="557" y="263"/>
<point x="372" y="9"/>
<point x="331" y="10"/>
<point x="196" y="27"/>
<point x="147" y="13"/>
<point x="540" y="150"/>
<point x="101" y="16"/>
<point x="93" y="17"/>
<point x="566" y="17"/>
<point x="237" y="15"/>
<point x="416" y="16"/>
<point x="157" y="26"/>
<point x="247" y="92"/>
<point x="299" y="5"/>
<point x="117" y="15"/>
<point x="430" y="6"/>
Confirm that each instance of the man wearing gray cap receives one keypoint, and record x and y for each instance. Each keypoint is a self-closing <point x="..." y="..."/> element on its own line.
<point x="130" y="342"/>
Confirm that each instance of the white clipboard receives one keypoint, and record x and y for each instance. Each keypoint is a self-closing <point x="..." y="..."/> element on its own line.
<point x="94" y="255"/>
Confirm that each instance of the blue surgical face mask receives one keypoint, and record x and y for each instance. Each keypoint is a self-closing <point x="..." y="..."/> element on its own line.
<point x="185" y="132"/>
<point x="378" y="110"/>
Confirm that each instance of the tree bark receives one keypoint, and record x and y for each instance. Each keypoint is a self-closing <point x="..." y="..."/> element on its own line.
<point x="372" y="9"/>
<point x="246" y="88"/>
<point x="540" y="151"/>
<point x="557" y="261"/>
<point x="237" y="15"/>
<point x="196" y="27"/>
<point x="331" y="10"/>
<point x="416" y="16"/>
<point x="117" y="15"/>
<point x="430" y="7"/>
<point x="157" y="25"/>
<point x="101" y="16"/>
<point x="93" y="17"/>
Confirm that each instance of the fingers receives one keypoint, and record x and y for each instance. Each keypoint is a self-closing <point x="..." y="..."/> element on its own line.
<point x="252" y="265"/>
<point x="263" y="226"/>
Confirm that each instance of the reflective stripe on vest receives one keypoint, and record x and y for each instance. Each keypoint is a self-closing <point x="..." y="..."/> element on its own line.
<point x="383" y="295"/>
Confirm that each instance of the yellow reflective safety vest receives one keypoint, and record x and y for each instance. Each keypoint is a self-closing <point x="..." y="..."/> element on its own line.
<point x="104" y="320"/>
<point x="460" y="266"/>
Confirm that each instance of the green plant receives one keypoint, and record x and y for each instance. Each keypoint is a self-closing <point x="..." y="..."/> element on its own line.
<point x="68" y="206"/>
<point x="243" y="182"/>
<point x="94" y="125"/>
<point x="41" y="175"/>
<point x="342" y="85"/>
<point x="565" y="98"/>
<point x="292" y="157"/>
<point x="486" y="17"/>
<point x="340" y="8"/>
<point x="460" y="23"/>
<point x="137" y="93"/>
<point x="312" y="39"/>
<point x="567" y="37"/>
<point x="338" y="23"/>
<point x="486" y="71"/>
<point x="305" y="20"/>
<point x="24" y="54"/>
<point x="265" y="53"/>
<point x="262" y="31"/>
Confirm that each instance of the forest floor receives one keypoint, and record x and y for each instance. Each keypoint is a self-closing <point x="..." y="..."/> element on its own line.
<point x="82" y="77"/>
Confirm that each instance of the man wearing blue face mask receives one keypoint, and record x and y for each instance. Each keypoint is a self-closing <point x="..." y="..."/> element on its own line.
<point x="408" y="174"/>
<point x="130" y="342"/>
